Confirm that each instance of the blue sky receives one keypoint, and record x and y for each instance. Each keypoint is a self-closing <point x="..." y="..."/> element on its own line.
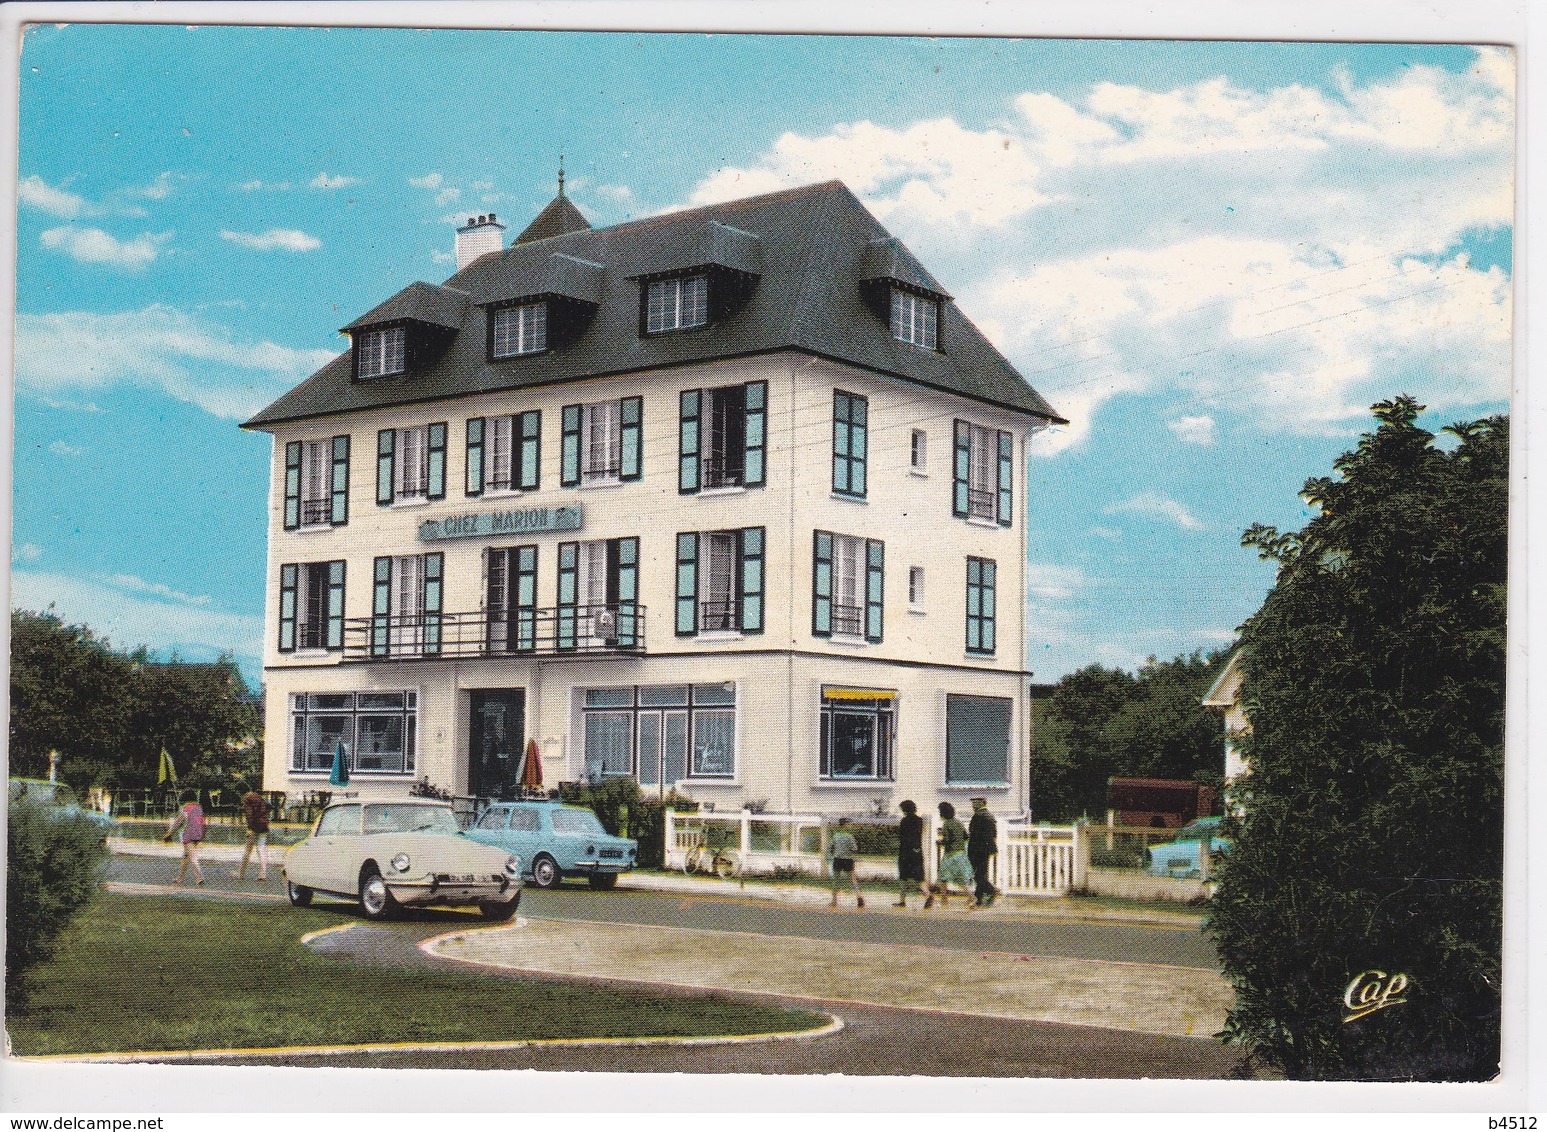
<point x="1211" y="257"/>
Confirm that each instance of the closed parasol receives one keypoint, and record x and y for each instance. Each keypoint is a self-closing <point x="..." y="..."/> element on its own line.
<point x="532" y="769"/>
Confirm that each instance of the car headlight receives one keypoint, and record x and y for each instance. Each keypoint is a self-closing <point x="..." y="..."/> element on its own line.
<point x="401" y="862"/>
<point x="513" y="866"/>
<point x="590" y="850"/>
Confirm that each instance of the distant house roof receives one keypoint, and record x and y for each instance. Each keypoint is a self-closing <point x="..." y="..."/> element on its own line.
<point x="1226" y="689"/>
<point x="811" y="250"/>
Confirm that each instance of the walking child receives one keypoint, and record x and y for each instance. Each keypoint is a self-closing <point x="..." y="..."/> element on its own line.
<point x="190" y="820"/>
<point x="256" y="811"/>
<point x="843" y="849"/>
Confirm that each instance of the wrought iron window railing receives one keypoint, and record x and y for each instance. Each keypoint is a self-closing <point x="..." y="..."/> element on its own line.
<point x="571" y="630"/>
<point x="719" y="616"/>
<point x="982" y="504"/>
<point x="721" y="470"/>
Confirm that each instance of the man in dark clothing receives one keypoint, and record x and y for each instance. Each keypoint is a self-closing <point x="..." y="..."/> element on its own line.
<point x="982" y="846"/>
<point x="910" y="856"/>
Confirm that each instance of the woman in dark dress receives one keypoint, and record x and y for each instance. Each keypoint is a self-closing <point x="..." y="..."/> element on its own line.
<point x="910" y="856"/>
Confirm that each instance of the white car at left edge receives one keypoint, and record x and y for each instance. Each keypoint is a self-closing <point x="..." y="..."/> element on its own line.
<point x="392" y="855"/>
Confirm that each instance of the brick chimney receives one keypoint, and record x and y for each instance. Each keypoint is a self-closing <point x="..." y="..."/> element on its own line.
<point x="479" y="236"/>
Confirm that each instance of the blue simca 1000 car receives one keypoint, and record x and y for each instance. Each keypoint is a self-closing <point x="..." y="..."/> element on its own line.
<point x="1181" y="856"/>
<point x="556" y="841"/>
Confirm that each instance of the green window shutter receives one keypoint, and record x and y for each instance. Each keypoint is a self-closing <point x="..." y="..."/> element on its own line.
<point x="988" y="605"/>
<point x="755" y="458"/>
<point x="962" y="468"/>
<point x="632" y="412"/>
<point x="529" y="437"/>
<point x="434" y="585"/>
<point x="474" y="483"/>
<point x="1006" y="509"/>
<point x="841" y="443"/>
<point x="340" y="515"/>
<point x="752" y="580"/>
<point x="569" y="462"/>
<point x="689" y="435"/>
<point x="287" y="603"/>
<point x="627" y="585"/>
<point x="336" y="605"/>
<point x="859" y="445"/>
<point x="381" y="607"/>
<point x="526" y="597"/>
<point x="292" y="485"/>
<point x="875" y="588"/>
<point x="822" y="585"/>
<point x="569" y="554"/>
<point x="437" y="454"/>
<point x="385" y="440"/>
<point x="687" y="584"/>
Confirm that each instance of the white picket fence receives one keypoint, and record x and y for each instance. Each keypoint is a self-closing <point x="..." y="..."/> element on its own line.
<point x="1033" y="860"/>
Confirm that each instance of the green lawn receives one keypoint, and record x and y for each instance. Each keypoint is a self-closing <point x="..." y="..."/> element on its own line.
<point x="144" y="974"/>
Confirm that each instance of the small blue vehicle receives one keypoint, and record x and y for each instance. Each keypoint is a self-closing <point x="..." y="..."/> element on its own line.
<point x="1180" y="856"/>
<point x="59" y="798"/>
<point x="556" y="841"/>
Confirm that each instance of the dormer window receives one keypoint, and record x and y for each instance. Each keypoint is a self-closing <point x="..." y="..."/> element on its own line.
<point x="915" y="319"/>
<point x="380" y="353"/>
<point x="679" y="303"/>
<point x="520" y="330"/>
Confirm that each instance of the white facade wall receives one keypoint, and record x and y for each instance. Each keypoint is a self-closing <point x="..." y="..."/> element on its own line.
<point x="778" y="673"/>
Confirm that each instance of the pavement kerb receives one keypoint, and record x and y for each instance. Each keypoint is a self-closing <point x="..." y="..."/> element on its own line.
<point x="1006" y="907"/>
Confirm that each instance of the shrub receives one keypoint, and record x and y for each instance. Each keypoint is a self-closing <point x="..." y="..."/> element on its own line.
<point x="51" y="872"/>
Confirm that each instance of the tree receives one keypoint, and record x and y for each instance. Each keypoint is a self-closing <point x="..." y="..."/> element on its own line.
<point x="109" y="713"/>
<point x="1372" y="832"/>
<point x="1101" y="723"/>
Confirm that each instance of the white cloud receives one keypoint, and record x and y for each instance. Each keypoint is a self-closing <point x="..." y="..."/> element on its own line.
<point x="1153" y="505"/>
<point x="1193" y="430"/>
<point x="447" y="196"/>
<point x="61" y="449"/>
<point x="1215" y="636"/>
<point x="27" y="552"/>
<point x="159" y="347"/>
<point x="1048" y="582"/>
<point x="71" y="406"/>
<point x="324" y="181"/>
<point x="438" y="256"/>
<point x="160" y="188"/>
<point x="58" y="201"/>
<point x="258" y="186"/>
<point x="92" y="245"/>
<point x="130" y="616"/>
<point x="1289" y="253"/>
<point x="136" y="584"/>
<point x="285" y="239"/>
<point x="428" y="181"/>
<point x="477" y="186"/>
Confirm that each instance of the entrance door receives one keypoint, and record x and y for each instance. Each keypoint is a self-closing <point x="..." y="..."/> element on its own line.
<point x="496" y="735"/>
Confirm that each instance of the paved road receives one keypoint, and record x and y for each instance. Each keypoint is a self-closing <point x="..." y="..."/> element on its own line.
<point x="954" y="928"/>
<point x="875" y="1040"/>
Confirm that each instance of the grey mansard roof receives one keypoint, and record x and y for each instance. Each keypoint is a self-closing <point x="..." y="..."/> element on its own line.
<point x="812" y="251"/>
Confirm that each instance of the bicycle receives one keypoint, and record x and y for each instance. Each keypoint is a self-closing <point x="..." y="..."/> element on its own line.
<point x="711" y="859"/>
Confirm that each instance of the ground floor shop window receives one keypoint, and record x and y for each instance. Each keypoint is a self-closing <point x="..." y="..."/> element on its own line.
<point x="379" y="731"/>
<point x="858" y="726"/>
<point x="660" y="734"/>
<point x="977" y="740"/>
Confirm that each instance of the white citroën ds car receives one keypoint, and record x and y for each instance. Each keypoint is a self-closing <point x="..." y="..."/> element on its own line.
<point x="395" y="854"/>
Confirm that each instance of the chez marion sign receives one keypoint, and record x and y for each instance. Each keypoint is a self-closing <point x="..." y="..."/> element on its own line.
<point x="484" y="524"/>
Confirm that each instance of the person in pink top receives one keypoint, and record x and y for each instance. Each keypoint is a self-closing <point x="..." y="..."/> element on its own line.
<point x="190" y="820"/>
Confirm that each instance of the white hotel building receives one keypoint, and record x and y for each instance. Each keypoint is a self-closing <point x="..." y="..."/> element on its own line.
<point x="729" y="501"/>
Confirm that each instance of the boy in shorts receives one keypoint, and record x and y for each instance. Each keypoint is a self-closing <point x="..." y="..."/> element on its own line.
<point x="843" y="849"/>
<point x="256" y="811"/>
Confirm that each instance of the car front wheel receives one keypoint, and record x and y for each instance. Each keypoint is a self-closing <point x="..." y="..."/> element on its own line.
<point x="299" y="894"/>
<point x="376" y="900"/>
<point x="546" y="872"/>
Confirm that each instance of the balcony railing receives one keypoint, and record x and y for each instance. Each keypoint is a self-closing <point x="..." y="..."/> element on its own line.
<point x="848" y="620"/>
<point x="719" y="616"/>
<point x="721" y="470"/>
<point x="574" y="630"/>
<point x="982" y="504"/>
<point x="315" y="512"/>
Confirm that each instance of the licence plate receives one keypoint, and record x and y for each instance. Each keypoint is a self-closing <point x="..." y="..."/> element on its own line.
<point x="457" y="878"/>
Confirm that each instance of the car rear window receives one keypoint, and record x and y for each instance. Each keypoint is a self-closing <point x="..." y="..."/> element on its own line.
<point x="576" y="821"/>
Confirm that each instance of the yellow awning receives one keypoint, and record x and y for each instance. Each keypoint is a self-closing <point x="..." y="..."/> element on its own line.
<point x="830" y="693"/>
